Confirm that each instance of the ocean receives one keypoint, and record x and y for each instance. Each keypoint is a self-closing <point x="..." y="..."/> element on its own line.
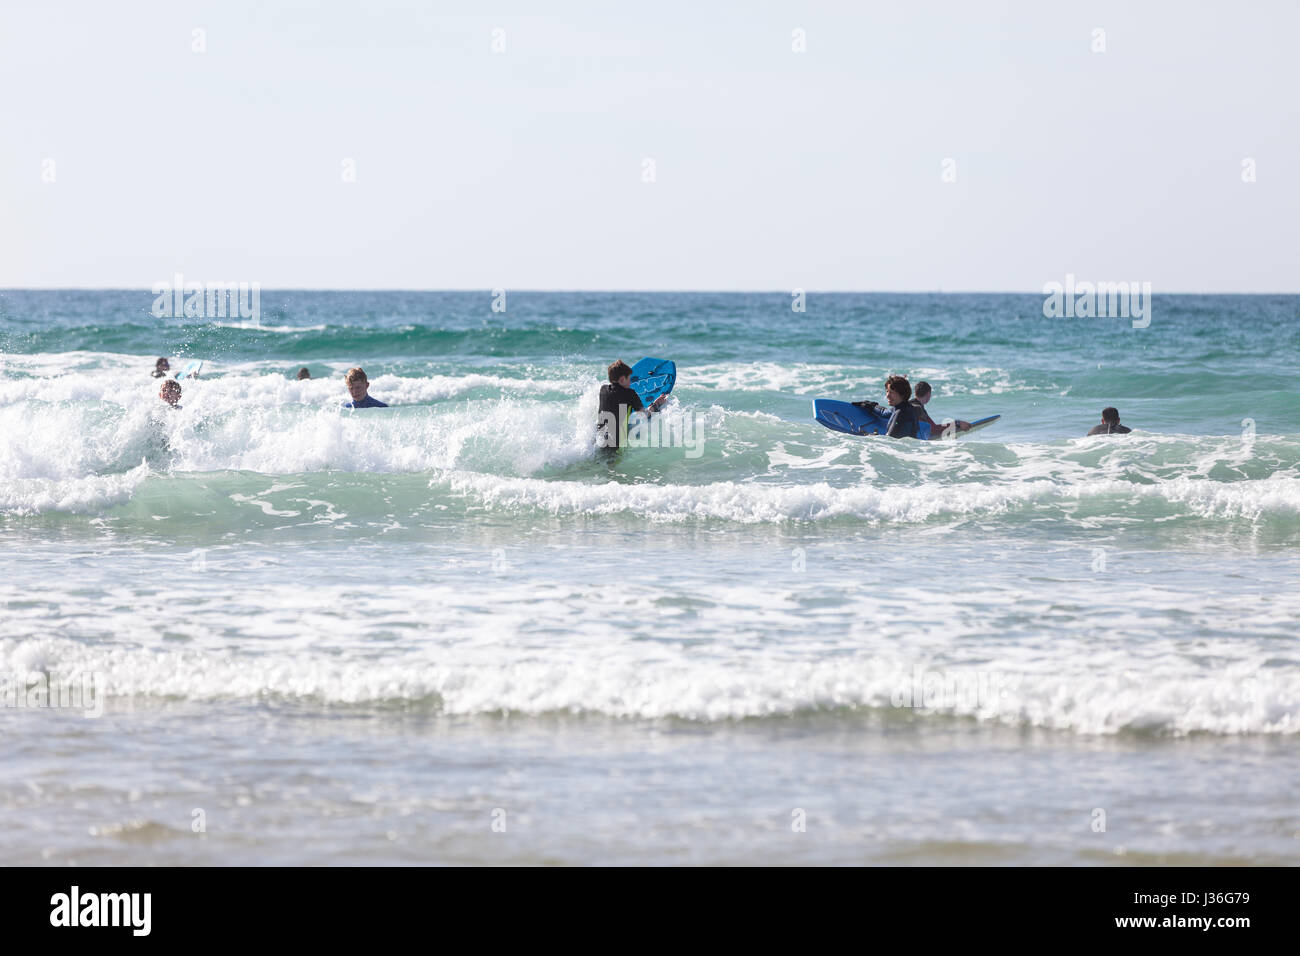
<point x="275" y="631"/>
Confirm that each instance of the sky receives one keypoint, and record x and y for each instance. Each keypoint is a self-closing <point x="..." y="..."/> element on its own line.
<point x="916" y="146"/>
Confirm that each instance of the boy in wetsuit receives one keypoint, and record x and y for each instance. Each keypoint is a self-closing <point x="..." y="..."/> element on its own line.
<point x="1109" y="423"/>
<point x="922" y="396"/>
<point x="617" y="403"/>
<point x="161" y="368"/>
<point x="359" y="389"/>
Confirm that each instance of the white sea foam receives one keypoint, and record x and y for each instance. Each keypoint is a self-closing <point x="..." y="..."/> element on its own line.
<point x="753" y="503"/>
<point x="483" y="648"/>
<point x="90" y="494"/>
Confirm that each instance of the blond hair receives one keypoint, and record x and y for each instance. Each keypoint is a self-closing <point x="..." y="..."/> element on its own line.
<point x="355" y="375"/>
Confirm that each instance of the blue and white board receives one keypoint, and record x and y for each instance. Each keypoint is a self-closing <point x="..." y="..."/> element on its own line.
<point x="977" y="425"/>
<point x="191" y="370"/>
<point x="652" y="378"/>
<point x="852" y="420"/>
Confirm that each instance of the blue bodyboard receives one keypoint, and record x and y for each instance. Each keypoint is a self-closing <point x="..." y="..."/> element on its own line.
<point x="652" y="378"/>
<point x="191" y="370"/>
<point x="852" y="420"/>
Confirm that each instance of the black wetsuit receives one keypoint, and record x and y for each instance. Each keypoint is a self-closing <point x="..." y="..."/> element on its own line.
<point x="612" y="395"/>
<point x="1104" y="429"/>
<point x="903" y="423"/>
<point x="921" y="413"/>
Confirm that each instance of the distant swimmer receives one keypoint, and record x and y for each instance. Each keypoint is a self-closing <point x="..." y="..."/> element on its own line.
<point x="303" y="373"/>
<point x="358" y="388"/>
<point x="905" y="419"/>
<point x="617" y="402"/>
<point x="923" y="394"/>
<point x="161" y="368"/>
<point x="171" y="392"/>
<point x="1109" y="423"/>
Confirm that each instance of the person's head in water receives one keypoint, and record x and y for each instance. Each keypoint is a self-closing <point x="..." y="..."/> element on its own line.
<point x="170" y="391"/>
<point x="897" y="390"/>
<point x="922" y="392"/>
<point x="1109" y="423"/>
<point x="161" y="368"/>
<point x="303" y="373"/>
<point x="620" y="373"/>
<point x="358" y="384"/>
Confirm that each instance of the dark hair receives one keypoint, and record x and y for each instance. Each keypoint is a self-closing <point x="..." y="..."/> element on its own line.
<point x="922" y="389"/>
<point x="618" y="369"/>
<point x="901" y="385"/>
<point x="171" y="385"/>
<point x="161" y="361"/>
<point x="303" y="373"/>
<point x="1110" y="415"/>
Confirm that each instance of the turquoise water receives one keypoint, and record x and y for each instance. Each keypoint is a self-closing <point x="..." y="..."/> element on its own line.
<point x="355" y="636"/>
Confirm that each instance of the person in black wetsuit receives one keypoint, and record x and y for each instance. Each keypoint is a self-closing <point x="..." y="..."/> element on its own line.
<point x="617" y="403"/>
<point x="904" y="420"/>
<point x="1109" y="423"/>
<point x="359" y="388"/>
<point x="161" y="368"/>
<point x="921" y="396"/>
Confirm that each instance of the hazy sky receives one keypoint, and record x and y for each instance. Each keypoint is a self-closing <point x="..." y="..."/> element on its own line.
<point x="524" y="169"/>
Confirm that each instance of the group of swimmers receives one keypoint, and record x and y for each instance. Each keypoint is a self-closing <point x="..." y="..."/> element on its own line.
<point x="355" y="379"/>
<point x="618" y="400"/>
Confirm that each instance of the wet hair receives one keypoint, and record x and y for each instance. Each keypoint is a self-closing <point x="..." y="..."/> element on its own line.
<point x="160" y="362"/>
<point x="356" y="375"/>
<point x="618" y="369"/>
<point x="303" y="373"/>
<point x="170" y="386"/>
<point x="922" y="389"/>
<point x="1110" y="415"/>
<point x="901" y="385"/>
